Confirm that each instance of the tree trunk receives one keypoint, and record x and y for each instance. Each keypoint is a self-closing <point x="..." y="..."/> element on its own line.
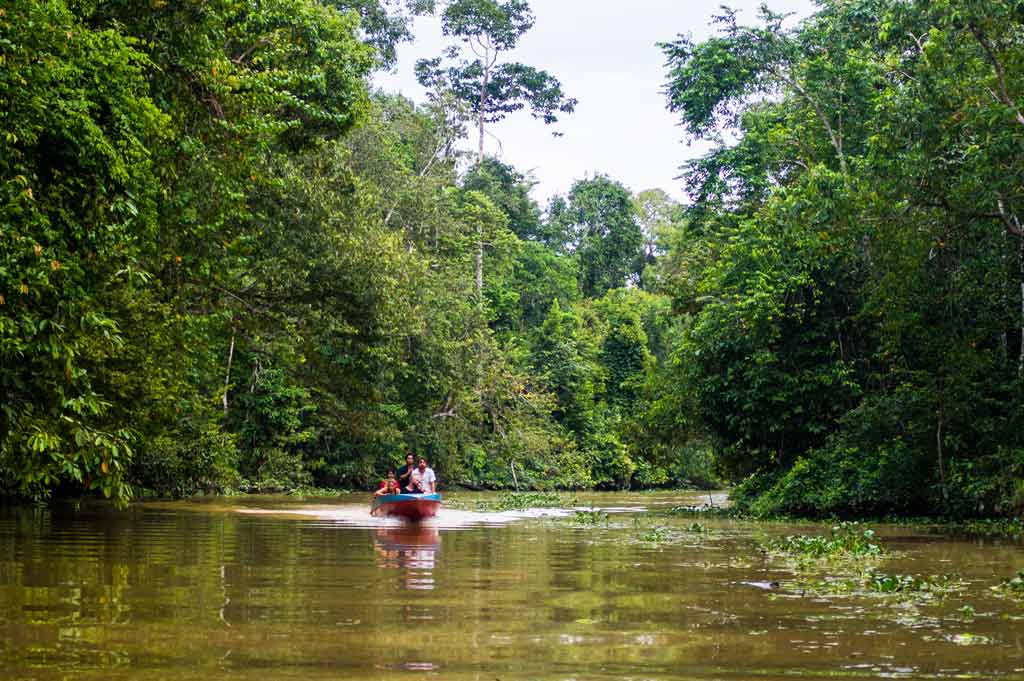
<point x="1012" y="224"/>
<point x="1020" y="266"/>
<point x="479" y="284"/>
<point x="479" y="281"/>
<point x="1006" y="301"/>
<point x="1014" y="227"/>
<point x="480" y="126"/>
<point x="227" y="376"/>
<point x="938" y="449"/>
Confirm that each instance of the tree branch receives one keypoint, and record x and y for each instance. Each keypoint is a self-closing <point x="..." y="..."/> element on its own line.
<point x="1012" y="224"/>
<point x="242" y="58"/>
<point x="1004" y="94"/>
<point x="442" y="143"/>
<point x="1010" y="221"/>
<point x="245" y="303"/>
<point x="837" y="142"/>
<point x="447" y="409"/>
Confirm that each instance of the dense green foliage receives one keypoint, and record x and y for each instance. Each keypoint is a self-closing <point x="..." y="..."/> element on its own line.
<point x="854" y="263"/>
<point x="226" y="263"/>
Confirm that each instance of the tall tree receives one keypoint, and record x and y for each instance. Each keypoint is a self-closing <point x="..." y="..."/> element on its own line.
<point x="510" y="191"/>
<point x="491" y="89"/>
<point x="713" y="82"/>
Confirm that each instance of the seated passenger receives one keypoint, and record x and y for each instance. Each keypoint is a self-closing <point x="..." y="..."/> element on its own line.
<point x="405" y="473"/>
<point x="423" y="479"/>
<point x="388" y="486"/>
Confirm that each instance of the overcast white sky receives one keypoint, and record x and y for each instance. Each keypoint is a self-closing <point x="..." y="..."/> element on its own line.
<point x="605" y="55"/>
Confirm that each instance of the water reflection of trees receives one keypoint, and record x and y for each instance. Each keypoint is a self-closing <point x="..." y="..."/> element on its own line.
<point x="149" y="588"/>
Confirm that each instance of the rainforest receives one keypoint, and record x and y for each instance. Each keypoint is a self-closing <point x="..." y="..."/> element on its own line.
<point x="230" y="262"/>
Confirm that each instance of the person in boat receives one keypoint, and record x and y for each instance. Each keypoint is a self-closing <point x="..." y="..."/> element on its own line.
<point x="405" y="473"/>
<point x="423" y="479"/>
<point x="388" y="485"/>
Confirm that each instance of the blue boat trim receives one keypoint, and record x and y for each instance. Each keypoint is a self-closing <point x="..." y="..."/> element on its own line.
<point x="400" y="498"/>
<point x="393" y="498"/>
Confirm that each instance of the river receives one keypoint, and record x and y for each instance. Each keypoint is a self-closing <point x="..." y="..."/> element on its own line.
<point x="279" y="588"/>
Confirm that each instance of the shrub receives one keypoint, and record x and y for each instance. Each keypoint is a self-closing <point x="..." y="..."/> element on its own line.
<point x="189" y="463"/>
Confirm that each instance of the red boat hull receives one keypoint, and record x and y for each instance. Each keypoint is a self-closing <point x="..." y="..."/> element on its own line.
<point x="408" y="506"/>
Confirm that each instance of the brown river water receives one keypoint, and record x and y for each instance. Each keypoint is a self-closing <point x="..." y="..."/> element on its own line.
<point x="271" y="588"/>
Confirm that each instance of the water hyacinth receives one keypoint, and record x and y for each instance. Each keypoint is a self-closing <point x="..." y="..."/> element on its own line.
<point x="846" y="540"/>
<point x="1012" y="587"/>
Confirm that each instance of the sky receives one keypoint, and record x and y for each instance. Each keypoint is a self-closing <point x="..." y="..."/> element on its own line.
<point x="605" y="55"/>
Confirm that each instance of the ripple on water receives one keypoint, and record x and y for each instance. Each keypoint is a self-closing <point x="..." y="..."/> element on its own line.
<point x="358" y="516"/>
<point x="322" y="591"/>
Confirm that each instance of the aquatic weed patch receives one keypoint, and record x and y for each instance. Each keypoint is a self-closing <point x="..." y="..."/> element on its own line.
<point x="938" y="586"/>
<point x="895" y="589"/>
<point x="1012" y="587"/>
<point x="847" y="540"/>
<point x="316" y="492"/>
<point x="705" y="511"/>
<point x="694" y="534"/>
<point x="656" y="534"/>
<point x="590" y="517"/>
<point x="520" y="501"/>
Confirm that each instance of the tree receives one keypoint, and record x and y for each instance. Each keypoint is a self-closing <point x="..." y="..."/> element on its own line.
<point x="656" y="213"/>
<point x="491" y="90"/>
<point x="386" y="23"/>
<point x="625" y="350"/>
<point x="520" y="296"/>
<point x="713" y="83"/>
<point x="77" y="198"/>
<point x="520" y="299"/>
<point x="565" y="358"/>
<point x="405" y="156"/>
<point x="598" y="224"/>
<point x="510" y="191"/>
<point x="136" y="164"/>
<point x="851" y="262"/>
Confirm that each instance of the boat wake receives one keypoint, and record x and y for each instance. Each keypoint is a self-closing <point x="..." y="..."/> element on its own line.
<point x="353" y="515"/>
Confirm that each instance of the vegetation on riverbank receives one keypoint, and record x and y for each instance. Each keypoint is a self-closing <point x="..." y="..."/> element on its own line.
<point x="227" y="263"/>
<point x="853" y="264"/>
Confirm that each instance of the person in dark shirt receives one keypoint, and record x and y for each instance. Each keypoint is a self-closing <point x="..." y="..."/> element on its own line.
<point x="405" y="473"/>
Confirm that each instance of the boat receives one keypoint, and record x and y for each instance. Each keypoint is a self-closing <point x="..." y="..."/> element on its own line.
<point x="408" y="506"/>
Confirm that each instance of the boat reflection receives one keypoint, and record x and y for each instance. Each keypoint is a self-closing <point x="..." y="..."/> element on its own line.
<point x="411" y="546"/>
